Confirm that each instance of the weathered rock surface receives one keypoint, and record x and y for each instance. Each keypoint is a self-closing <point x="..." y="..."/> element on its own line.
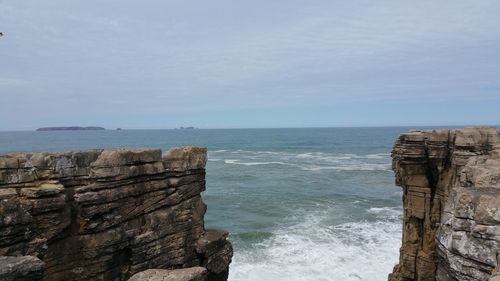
<point x="495" y="276"/>
<point x="451" y="197"/>
<point x="216" y="253"/>
<point x="20" y="268"/>
<point x="105" y="215"/>
<point x="187" y="274"/>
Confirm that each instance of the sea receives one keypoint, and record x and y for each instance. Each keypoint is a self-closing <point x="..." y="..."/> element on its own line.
<point x="300" y="204"/>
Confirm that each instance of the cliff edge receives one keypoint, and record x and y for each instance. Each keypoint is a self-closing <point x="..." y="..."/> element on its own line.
<point x="107" y="215"/>
<point x="451" y="198"/>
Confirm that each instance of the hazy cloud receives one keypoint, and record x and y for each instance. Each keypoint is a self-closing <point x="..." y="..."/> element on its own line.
<point x="72" y="59"/>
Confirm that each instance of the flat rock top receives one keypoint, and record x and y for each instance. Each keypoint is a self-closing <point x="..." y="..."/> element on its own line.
<point x="101" y="157"/>
<point x="122" y="156"/>
<point x="185" y="158"/>
<point x="185" y="274"/>
<point x="211" y="236"/>
<point x="462" y="136"/>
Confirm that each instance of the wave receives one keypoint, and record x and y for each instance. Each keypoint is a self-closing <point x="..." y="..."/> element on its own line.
<point x="314" y="154"/>
<point x="386" y="212"/>
<point x="218" y="151"/>
<point x="309" y="161"/>
<point x="361" y="167"/>
<point x="313" y="250"/>
<point x="377" y="156"/>
<point x="358" y="167"/>
<point x="237" y="162"/>
<point x="322" y="156"/>
<point x="241" y="151"/>
<point x="344" y="156"/>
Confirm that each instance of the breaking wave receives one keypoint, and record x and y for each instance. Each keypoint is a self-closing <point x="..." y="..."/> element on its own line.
<point x="312" y="249"/>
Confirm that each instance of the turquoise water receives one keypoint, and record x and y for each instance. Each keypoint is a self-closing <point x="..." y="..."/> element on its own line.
<point x="301" y="204"/>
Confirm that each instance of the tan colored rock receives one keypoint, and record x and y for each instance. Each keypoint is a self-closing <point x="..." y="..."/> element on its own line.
<point x="21" y="268"/>
<point x="495" y="275"/>
<point x="43" y="189"/>
<point x="107" y="214"/>
<point x="186" y="274"/>
<point x="185" y="158"/>
<point x="127" y="163"/>
<point x="451" y="198"/>
<point x="217" y="253"/>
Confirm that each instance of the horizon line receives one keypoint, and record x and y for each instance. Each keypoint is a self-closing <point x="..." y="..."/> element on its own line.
<point x="260" y="128"/>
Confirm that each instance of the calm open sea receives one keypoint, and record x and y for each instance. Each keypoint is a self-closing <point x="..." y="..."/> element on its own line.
<point x="301" y="204"/>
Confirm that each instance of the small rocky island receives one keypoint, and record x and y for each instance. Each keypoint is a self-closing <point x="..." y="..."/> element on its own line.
<point x="72" y="128"/>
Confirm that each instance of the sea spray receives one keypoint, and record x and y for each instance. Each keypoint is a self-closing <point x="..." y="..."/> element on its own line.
<point x="312" y="249"/>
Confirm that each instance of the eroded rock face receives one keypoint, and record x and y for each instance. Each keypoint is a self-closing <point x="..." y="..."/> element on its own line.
<point x="451" y="198"/>
<point x="106" y="214"/>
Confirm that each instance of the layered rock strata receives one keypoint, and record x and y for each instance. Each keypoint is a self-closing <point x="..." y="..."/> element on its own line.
<point x="106" y="215"/>
<point x="451" y="198"/>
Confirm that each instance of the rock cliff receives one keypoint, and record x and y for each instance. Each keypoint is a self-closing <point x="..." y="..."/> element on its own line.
<point x="451" y="198"/>
<point x="107" y="215"/>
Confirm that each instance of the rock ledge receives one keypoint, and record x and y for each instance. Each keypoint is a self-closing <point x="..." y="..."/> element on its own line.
<point x="107" y="215"/>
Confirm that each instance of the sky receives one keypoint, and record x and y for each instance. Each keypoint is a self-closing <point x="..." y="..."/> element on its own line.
<point x="239" y="64"/>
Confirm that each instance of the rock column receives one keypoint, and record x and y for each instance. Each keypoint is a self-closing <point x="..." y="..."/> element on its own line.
<point x="451" y="199"/>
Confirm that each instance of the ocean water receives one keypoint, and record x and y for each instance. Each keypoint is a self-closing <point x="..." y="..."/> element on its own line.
<point x="300" y="204"/>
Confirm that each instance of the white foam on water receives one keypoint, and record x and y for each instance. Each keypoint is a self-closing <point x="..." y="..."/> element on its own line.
<point x="238" y="162"/>
<point x="376" y="156"/>
<point x="311" y="161"/>
<point x="386" y="212"/>
<point x="305" y="167"/>
<point x="241" y="151"/>
<point x="354" y="167"/>
<point x="311" y="155"/>
<point x="323" y="156"/>
<point x="312" y="251"/>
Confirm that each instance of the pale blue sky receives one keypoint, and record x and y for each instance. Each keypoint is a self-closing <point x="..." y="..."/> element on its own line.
<point x="164" y="64"/>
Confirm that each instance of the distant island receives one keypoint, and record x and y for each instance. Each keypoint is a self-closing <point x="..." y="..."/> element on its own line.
<point x="187" y="128"/>
<point x="72" y="128"/>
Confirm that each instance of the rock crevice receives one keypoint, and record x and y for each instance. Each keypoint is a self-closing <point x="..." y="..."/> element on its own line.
<point x="106" y="215"/>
